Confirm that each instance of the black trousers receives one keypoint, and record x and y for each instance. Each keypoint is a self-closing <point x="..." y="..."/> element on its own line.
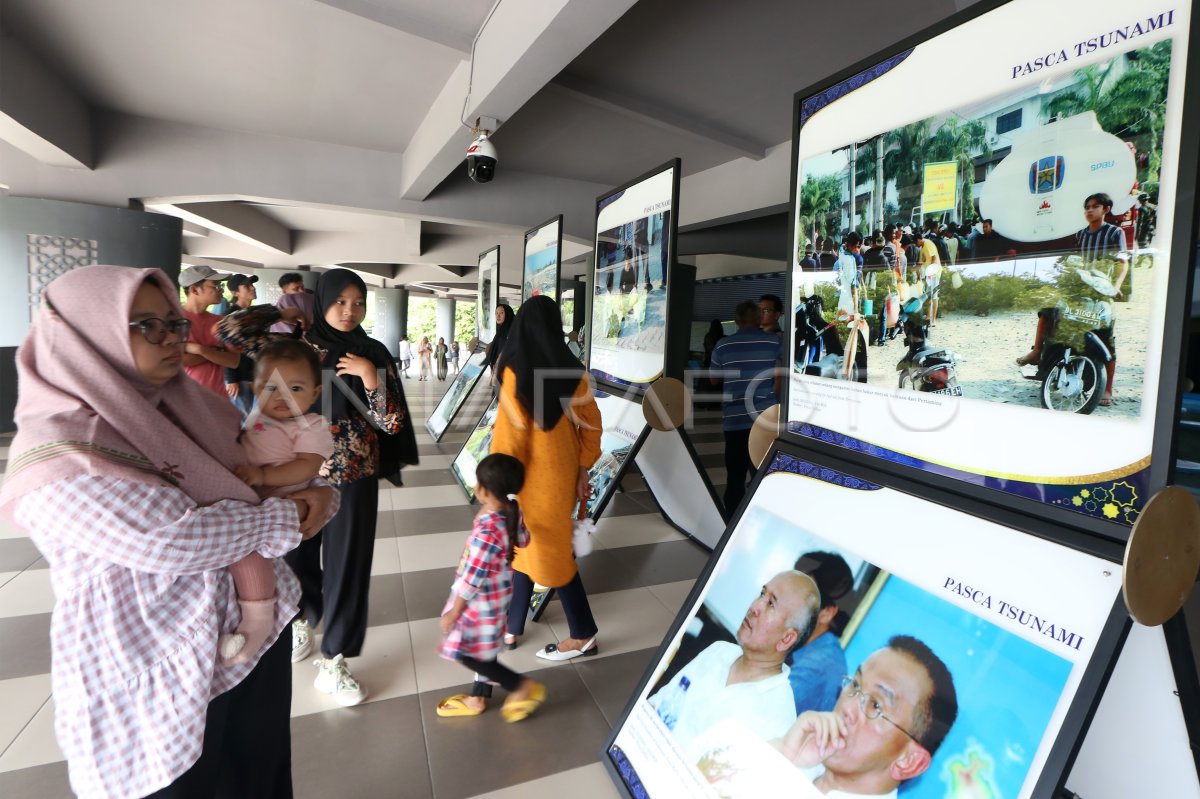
<point x="492" y="670"/>
<point x="247" y="737"/>
<point x="338" y="593"/>
<point x="738" y="469"/>
<point x="580" y="621"/>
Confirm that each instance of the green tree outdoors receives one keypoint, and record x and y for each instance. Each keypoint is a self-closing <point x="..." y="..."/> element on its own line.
<point x="422" y="319"/>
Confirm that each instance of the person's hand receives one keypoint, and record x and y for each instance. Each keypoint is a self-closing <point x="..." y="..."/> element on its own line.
<point x="360" y="367"/>
<point x="318" y="501"/>
<point x="232" y="390"/>
<point x="446" y="622"/>
<point x="302" y="512"/>
<point x="583" y="488"/>
<point x="813" y="737"/>
<point x="294" y="316"/>
<point x="192" y="348"/>
<point x="250" y="474"/>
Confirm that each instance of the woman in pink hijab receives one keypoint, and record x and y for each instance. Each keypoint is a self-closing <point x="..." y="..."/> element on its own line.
<point x="122" y="474"/>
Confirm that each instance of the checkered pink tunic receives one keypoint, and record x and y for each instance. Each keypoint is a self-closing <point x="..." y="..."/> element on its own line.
<point x="484" y="579"/>
<point x="143" y="592"/>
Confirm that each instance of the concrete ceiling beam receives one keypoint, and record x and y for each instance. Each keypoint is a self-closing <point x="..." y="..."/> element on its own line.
<point x="522" y="47"/>
<point x="40" y="114"/>
<point x="655" y="114"/>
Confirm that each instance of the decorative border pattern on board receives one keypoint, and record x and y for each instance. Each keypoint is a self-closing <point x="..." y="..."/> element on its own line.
<point x="811" y="105"/>
<point x="788" y="463"/>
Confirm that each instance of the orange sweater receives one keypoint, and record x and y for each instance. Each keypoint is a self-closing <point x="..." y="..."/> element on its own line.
<point x="552" y="459"/>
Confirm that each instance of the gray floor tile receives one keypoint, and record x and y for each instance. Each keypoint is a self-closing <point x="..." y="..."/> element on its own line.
<point x="438" y="449"/>
<point x="611" y="680"/>
<point x="44" y="782"/>
<point x="468" y="756"/>
<point x="425" y="592"/>
<point x="419" y="478"/>
<point x="666" y="563"/>
<point x="420" y="521"/>
<point x="373" y="750"/>
<point x="26" y="649"/>
<point x="624" y="504"/>
<point x="18" y="554"/>
<point x="607" y="570"/>
<point x="386" y="603"/>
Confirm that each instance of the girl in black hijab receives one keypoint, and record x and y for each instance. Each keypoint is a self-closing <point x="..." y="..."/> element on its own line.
<point x="367" y="414"/>
<point x="504" y="323"/>
<point x="372" y="434"/>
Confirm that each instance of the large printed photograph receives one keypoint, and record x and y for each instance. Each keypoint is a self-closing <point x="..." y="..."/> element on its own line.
<point x="488" y="294"/>
<point x="542" y="255"/>
<point x="1001" y="251"/>
<point x="460" y="388"/>
<point x="816" y="663"/>
<point x="987" y="282"/>
<point x="628" y="328"/>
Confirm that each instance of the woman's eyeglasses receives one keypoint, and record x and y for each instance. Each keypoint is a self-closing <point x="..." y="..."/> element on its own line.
<point x="155" y="330"/>
<point x="872" y="708"/>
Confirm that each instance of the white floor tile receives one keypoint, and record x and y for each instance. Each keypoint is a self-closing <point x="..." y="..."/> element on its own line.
<point x="9" y="530"/>
<point x="385" y="668"/>
<point x="386" y="559"/>
<point x="27" y="593"/>
<point x="628" y="620"/>
<point x="35" y="746"/>
<point x="21" y="698"/>
<point x="432" y="551"/>
<point x="672" y="595"/>
<point x="586" y="782"/>
<point x="431" y="462"/>
<point x="630" y="531"/>
<point x="423" y="497"/>
<point x="435" y="672"/>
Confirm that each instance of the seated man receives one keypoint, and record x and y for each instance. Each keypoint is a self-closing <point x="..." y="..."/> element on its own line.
<point x="815" y="670"/>
<point x="891" y="718"/>
<point x="747" y="680"/>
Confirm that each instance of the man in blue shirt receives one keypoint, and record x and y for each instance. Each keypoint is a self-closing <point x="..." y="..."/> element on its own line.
<point x="817" y="666"/>
<point x="750" y="362"/>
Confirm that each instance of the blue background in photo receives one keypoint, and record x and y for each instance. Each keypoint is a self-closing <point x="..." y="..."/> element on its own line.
<point x="1007" y="688"/>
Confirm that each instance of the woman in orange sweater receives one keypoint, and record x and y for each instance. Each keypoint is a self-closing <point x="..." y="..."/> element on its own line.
<point x="548" y="420"/>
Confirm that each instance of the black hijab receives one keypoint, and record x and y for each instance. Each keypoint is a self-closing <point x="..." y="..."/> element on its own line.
<point x="538" y="354"/>
<point x="496" y="347"/>
<point x="394" y="449"/>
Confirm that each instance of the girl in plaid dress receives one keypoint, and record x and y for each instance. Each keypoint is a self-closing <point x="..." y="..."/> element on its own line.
<point x="474" y="618"/>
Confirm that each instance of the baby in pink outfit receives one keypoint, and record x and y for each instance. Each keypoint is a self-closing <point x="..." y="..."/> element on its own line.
<point x="285" y="447"/>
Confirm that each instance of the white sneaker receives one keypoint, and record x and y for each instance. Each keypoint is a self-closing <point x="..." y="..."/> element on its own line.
<point x="334" y="678"/>
<point x="302" y="642"/>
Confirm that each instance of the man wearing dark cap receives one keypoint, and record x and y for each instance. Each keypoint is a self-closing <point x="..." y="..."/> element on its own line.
<point x="816" y="668"/>
<point x="239" y="381"/>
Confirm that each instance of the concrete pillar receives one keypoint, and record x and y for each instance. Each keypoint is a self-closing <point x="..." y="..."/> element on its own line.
<point x="445" y="320"/>
<point x="387" y="314"/>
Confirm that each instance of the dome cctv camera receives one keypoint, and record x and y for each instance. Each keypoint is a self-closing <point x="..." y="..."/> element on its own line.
<point x="481" y="159"/>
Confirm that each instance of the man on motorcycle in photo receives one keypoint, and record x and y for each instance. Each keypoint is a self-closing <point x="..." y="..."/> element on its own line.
<point x="1101" y="258"/>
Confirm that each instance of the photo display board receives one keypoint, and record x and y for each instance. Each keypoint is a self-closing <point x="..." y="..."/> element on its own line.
<point x="452" y="401"/>
<point x="488" y="296"/>
<point x="543" y="254"/>
<point x="635" y="240"/>
<point x="957" y="665"/>
<point x="623" y="430"/>
<point x="1043" y="129"/>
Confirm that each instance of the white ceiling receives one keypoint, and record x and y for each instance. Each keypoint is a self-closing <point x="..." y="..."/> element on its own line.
<point x="305" y="132"/>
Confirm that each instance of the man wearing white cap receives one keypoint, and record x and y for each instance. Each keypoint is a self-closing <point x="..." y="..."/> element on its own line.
<point x="204" y="357"/>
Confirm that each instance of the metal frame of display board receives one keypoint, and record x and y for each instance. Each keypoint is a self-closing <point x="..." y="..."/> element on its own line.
<point x="464" y="397"/>
<point x="1094" y="677"/>
<point x="1178" y="289"/>
<point x="486" y="306"/>
<point x="669" y="272"/>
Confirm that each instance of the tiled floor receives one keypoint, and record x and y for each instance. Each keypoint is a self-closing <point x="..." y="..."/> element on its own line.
<point x="394" y="745"/>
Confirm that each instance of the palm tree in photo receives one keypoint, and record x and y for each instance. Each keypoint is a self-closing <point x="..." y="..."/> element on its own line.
<point x="904" y="161"/>
<point x="818" y="199"/>
<point x="961" y="142"/>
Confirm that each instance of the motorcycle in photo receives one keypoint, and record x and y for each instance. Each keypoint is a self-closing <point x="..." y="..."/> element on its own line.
<point x="818" y="347"/>
<point x="924" y="367"/>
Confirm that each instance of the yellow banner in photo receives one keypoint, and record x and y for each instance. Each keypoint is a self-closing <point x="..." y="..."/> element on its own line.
<point x="939" y="189"/>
